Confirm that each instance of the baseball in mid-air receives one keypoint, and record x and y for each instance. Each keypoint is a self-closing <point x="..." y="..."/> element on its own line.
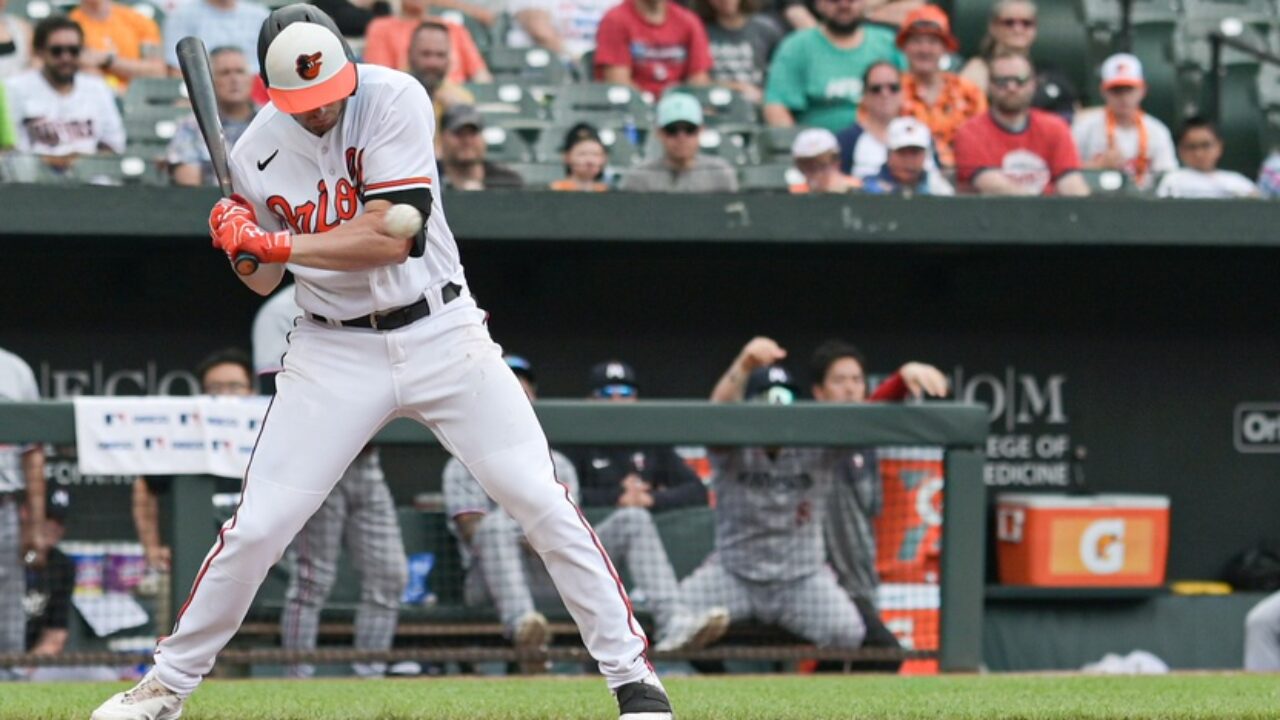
<point x="403" y="220"/>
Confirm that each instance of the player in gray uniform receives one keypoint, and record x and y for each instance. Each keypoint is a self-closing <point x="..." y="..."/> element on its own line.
<point x="770" y="562"/>
<point x="359" y="512"/>
<point x="1262" y="636"/>
<point x="21" y="474"/>
<point x="501" y="570"/>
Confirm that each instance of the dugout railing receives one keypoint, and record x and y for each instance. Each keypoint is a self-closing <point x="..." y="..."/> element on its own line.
<point x="959" y="430"/>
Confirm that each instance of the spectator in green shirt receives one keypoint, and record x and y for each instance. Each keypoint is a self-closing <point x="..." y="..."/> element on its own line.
<point x="815" y="78"/>
<point x="7" y="136"/>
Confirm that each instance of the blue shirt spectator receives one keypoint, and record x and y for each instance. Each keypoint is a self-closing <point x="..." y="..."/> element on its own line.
<point x="219" y="23"/>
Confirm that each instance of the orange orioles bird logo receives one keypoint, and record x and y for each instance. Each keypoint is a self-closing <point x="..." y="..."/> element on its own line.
<point x="309" y="66"/>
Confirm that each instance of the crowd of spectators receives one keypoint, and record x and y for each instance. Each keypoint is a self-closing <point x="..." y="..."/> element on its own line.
<point x="996" y="123"/>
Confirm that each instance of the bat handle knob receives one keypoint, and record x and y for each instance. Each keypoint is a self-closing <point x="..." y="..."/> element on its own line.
<point x="245" y="264"/>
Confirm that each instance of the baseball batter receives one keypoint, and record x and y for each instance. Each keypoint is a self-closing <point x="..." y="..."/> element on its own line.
<point x="390" y="330"/>
<point x="360" y="514"/>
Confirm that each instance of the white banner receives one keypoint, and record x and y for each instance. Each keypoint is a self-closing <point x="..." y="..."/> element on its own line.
<point x="199" y="435"/>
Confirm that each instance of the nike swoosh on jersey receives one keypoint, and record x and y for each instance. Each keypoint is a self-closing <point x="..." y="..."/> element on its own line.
<point x="262" y="164"/>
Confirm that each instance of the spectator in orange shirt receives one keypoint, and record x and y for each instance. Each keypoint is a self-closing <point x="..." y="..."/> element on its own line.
<point x="388" y="38"/>
<point x="941" y="100"/>
<point x="584" y="161"/>
<point x="119" y="43"/>
<point x="816" y="153"/>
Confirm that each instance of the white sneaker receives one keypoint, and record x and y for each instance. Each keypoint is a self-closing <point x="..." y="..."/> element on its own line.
<point x="148" y="700"/>
<point x="694" y="632"/>
<point x="532" y="635"/>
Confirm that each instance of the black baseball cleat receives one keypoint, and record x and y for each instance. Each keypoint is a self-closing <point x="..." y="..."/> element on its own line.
<point x="643" y="700"/>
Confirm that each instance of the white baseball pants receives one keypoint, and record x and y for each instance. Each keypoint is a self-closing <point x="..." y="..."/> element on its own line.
<point x="338" y="387"/>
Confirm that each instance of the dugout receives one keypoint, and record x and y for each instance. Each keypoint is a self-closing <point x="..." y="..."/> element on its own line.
<point x="1135" y="328"/>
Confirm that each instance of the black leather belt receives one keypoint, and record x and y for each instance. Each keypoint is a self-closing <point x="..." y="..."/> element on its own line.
<point x="401" y="316"/>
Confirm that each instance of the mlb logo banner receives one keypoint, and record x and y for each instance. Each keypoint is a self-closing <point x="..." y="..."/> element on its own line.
<point x="163" y="435"/>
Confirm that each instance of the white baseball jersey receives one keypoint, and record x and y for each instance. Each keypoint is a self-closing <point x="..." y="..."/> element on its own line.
<point x="271" y="328"/>
<point x="308" y="184"/>
<point x="17" y="384"/>
<point x="51" y="123"/>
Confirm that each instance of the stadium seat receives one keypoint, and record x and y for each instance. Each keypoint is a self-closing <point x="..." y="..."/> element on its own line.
<point x="480" y="32"/>
<point x="117" y="170"/>
<point x="145" y="93"/>
<point x="1153" y="23"/>
<point x="527" y="66"/>
<point x="969" y="23"/>
<point x="721" y="107"/>
<point x="506" y="146"/>
<point x="154" y="125"/>
<point x="773" y="177"/>
<point x="601" y="104"/>
<point x="1108" y="182"/>
<point x="773" y="144"/>
<point x="622" y="152"/>
<point x="728" y="146"/>
<point x="508" y="105"/>
<point x="27" y="169"/>
<point x="538" y="175"/>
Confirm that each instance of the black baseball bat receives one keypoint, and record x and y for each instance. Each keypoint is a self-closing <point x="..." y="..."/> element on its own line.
<point x="196" y="73"/>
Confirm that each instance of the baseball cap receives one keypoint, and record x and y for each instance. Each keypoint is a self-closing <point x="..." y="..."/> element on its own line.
<point x="814" y="142"/>
<point x="460" y="116"/>
<point x="679" y="107"/>
<point x="773" y="384"/>
<point x="57" y="504"/>
<point x="905" y="132"/>
<point x="521" y="367"/>
<point x="1122" y="70"/>
<point x="931" y="20"/>
<point x="308" y="67"/>
<point x="613" y="378"/>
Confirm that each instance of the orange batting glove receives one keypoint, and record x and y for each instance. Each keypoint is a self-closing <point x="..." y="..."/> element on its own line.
<point x="235" y="230"/>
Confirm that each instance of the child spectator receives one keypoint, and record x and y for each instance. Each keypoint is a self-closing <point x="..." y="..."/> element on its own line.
<point x="1200" y="149"/>
<point x="1119" y="136"/>
<point x="584" y="161"/>
<point x="816" y="153"/>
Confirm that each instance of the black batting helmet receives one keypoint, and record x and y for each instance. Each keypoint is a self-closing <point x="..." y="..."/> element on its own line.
<point x="296" y="72"/>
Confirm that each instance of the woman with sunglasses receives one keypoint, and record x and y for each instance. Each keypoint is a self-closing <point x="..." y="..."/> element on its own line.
<point x="1012" y="28"/>
<point x="864" y="144"/>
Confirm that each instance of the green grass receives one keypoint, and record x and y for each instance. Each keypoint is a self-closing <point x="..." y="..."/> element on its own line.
<point x="734" y="698"/>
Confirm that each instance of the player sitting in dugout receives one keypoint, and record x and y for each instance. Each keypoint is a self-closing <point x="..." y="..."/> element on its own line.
<point x="769" y="562"/>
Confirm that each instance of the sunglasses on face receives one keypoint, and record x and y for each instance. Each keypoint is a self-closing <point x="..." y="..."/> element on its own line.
<point x="886" y="88"/>
<point x="1006" y="82"/>
<point x="1011" y="23"/>
<point x="616" y="391"/>
<point x="1196" y="146"/>
<point x="60" y="50"/>
<point x="680" y="128"/>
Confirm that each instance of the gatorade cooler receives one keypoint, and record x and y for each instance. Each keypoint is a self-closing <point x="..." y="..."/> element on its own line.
<point x="1082" y="541"/>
